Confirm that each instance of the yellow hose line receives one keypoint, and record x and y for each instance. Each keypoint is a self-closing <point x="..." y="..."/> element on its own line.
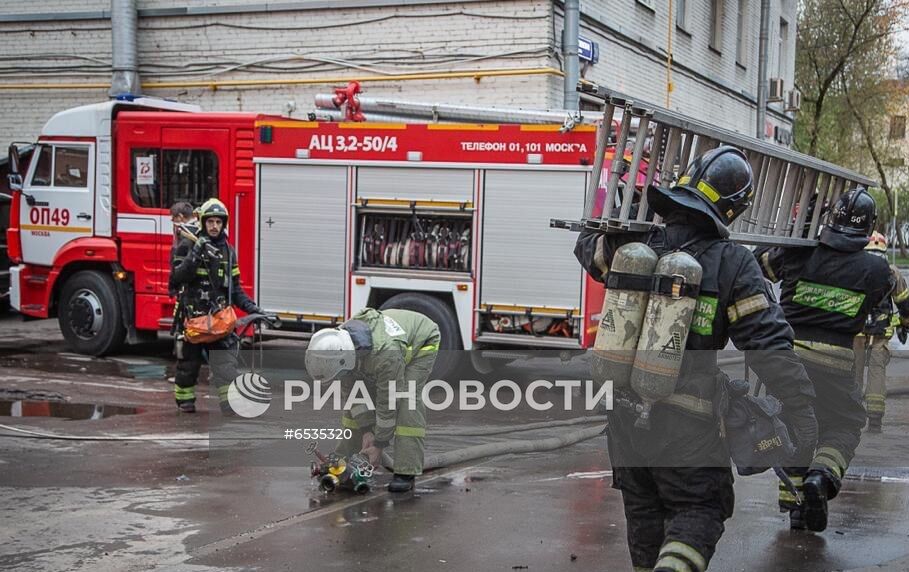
<point x="214" y="85"/>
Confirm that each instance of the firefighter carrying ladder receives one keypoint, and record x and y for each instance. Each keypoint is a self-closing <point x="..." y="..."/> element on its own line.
<point x="791" y="189"/>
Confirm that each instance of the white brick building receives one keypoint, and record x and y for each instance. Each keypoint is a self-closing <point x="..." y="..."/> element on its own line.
<point x="273" y="57"/>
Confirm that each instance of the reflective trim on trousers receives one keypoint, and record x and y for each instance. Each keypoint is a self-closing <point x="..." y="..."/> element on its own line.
<point x="875" y="403"/>
<point x="404" y="431"/>
<point x="832" y="459"/>
<point x="692" y="559"/>
<point x="670" y="563"/>
<point x="184" y="393"/>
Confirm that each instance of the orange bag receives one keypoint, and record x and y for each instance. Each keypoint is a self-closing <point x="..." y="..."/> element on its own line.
<point x="211" y="327"/>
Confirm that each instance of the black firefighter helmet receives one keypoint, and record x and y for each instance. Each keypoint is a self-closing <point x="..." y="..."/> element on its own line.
<point x="718" y="183"/>
<point x="854" y="213"/>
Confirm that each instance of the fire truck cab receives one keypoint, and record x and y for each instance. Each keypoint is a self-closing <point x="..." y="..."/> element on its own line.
<point x="90" y="231"/>
<point x="326" y="218"/>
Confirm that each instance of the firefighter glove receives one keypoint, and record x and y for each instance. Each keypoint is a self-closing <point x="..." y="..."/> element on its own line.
<point x="199" y="247"/>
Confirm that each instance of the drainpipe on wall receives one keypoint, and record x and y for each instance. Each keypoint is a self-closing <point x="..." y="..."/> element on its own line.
<point x="124" y="22"/>
<point x="570" y="52"/>
<point x="763" y="47"/>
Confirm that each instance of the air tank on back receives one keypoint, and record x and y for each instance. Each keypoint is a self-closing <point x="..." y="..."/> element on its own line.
<point x="627" y="292"/>
<point x="658" y="360"/>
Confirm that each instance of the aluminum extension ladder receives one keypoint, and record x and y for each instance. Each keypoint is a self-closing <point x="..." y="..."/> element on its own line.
<point x="787" y="184"/>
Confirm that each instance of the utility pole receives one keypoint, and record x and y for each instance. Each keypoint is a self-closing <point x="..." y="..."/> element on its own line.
<point x="763" y="47"/>
<point x="669" y="57"/>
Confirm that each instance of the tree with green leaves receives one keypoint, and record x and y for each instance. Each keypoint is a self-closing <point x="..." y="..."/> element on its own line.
<point x="846" y="60"/>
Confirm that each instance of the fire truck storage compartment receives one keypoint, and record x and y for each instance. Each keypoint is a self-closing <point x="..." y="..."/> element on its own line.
<point x="302" y="230"/>
<point x="418" y="241"/>
<point x="416" y="183"/>
<point x="528" y="270"/>
<point x="414" y="218"/>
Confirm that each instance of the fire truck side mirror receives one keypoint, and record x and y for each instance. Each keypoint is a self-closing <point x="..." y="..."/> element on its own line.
<point x="15" y="179"/>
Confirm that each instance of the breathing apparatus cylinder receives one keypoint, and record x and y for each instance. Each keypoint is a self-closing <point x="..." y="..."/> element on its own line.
<point x="628" y="286"/>
<point x="658" y="360"/>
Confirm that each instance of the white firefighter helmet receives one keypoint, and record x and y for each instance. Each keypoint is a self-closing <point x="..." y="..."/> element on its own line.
<point x="330" y="352"/>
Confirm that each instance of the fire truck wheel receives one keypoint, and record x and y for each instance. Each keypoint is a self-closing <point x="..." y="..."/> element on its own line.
<point x="89" y="313"/>
<point x="443" y="315"/>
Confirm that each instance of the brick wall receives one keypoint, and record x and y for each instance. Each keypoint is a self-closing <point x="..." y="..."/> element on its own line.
<point x="708" y="84"/>
<point x="397" y="39"/>
<point x="472" y="35"/>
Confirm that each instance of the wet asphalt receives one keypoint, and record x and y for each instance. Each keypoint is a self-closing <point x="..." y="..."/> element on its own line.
<point x="170" y="500"/>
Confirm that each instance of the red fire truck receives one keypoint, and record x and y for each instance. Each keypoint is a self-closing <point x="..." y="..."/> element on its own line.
<point x="326" y="217"/>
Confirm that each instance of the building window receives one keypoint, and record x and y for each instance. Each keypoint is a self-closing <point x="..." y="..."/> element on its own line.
<point x="648" y="4"/>
<point x="161" y="178"/>
<point x="783" y="64"/>
<point x="898" y="127"/>
<point x="716" y="25"/>
<point x="741" y="44"/>
<point x="681" y="14"/>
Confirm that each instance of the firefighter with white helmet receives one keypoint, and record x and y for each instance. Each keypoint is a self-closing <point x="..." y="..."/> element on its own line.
<point x="378" y="347"/>
<point x="872" y="345"/>
<point x="674" y="470"/>
<point x="333" y="351"/>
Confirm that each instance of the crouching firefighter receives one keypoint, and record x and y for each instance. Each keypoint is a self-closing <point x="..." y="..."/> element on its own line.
<point x="665" y="442"/>
<point x="207" y="279"/>
<point x="872" y="345"/>
<point x="827" y="293"/>
<point x="377" y="348"/>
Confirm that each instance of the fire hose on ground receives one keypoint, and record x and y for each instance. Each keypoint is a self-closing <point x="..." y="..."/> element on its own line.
<point x="475" y="452"/>
<point x="434" y="461"/>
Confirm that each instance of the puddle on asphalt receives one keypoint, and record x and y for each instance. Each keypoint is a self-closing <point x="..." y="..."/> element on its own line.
<point x="71" y="411"/>
<point x="135" y="368"/>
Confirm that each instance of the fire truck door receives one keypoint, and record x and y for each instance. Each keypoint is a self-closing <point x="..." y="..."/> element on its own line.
<point x="60" y="182"/>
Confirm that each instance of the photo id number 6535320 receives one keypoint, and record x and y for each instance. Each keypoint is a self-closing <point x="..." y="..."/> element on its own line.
<point x="320" y="434"/>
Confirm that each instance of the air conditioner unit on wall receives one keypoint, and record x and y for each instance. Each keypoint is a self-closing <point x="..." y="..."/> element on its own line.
<point x="776" y="90"/>
<point x="793" y="100"/>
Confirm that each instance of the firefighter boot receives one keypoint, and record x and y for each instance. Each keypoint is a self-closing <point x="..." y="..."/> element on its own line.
<point x="815" y="508"/>
<point x="796" y="519"/>
<point x="187" y="406"/>
<point x="875" y="424"/>
<point x="401" y="483"/>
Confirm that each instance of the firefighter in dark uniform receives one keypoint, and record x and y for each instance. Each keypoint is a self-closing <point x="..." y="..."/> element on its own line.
<point x="827" y="293"/>
<point x="675" y="478"/>
<point x="207" y="284"/>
